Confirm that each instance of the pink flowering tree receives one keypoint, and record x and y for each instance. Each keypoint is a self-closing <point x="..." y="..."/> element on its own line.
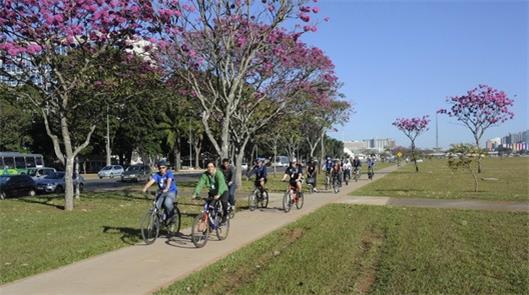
<point x="64" y="56"/>
<point x="412" y="127"/>
<point x="227" y="50"/>
<point x="479" y="109"/>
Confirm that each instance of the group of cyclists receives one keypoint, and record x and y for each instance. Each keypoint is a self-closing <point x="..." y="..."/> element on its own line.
<point x="221" y="186"/>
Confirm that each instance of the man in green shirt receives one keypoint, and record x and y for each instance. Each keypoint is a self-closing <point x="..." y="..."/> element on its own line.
<point x="214" y="180"/>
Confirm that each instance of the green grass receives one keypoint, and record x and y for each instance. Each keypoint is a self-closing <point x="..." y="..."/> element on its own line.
<point x="342" y="249"/>
<point x="38" y="236"/>
<point x="436" y="181"/>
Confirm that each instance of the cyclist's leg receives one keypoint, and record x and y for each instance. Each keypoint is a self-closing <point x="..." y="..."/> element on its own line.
<point x="224" y="200"/>
<point x="170" y="198"/>
<point x="159" y="200"/>
<point x="231" y="194"/>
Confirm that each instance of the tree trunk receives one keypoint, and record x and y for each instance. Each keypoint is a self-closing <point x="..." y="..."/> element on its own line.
<point x="479" y="155"/>
<point x="413" y="156"/>
<point x="238" y="162"/>
<point x="275" y="156"/>
<point x="322" y="145"/>
<point x="198" y="148"/>
<point x="177" y="153"/>
<point x="77" y="189"/>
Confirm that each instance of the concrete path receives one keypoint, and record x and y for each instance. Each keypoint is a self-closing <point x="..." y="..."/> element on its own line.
<point x="439" y="203"/>
<point x="144" y="269"/>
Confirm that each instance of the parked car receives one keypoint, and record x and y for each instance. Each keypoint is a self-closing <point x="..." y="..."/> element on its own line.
<point x="55" y="183"/>
<point x="110" y="171"/>
<point x="38" y="173"/>
<point x="136" y="173"/>
<point x="16" y="185"/>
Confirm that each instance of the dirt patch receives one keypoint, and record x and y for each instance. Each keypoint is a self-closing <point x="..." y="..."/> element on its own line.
<point x="370" y="255"/>
<point x="294" y="234"/>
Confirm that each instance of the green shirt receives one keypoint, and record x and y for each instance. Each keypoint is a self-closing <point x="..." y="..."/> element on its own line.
<point x="215" y="183"/>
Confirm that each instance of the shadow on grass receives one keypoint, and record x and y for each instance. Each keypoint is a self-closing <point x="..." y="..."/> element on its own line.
<point x="129" y="235"/>
<point x="46" y="201"/>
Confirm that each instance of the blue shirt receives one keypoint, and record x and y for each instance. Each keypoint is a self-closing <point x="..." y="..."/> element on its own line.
<point x="328" y="165"/>
<point x="260" y="172"/>
<point x="161" y="180"/>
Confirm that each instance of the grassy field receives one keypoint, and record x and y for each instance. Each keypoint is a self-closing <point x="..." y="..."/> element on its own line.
<point x="435" y="180"/>
<point x="38" y="236"/>
<point x="342" y="249"/>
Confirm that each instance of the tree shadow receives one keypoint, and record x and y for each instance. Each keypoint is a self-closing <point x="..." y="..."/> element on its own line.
<point x="46" y="201"/>
<point x="129" y="235"/>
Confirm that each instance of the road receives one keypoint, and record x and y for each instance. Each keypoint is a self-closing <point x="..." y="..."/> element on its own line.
<point x="106" y="184"/>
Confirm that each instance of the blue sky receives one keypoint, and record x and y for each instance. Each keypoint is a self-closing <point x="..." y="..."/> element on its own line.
<point x="403" y="58"/>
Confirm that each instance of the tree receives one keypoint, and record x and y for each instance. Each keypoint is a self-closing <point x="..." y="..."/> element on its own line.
<point x="15" y="126"/>
<point x="215" y="47"/>
<point x="412" y="127"/>
<point x="479" y="109"/>
<point x="68" y="53"/>
<point x="465" y="156"/>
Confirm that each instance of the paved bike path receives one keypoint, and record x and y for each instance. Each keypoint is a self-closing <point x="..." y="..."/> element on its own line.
<point x="144" y="269"/>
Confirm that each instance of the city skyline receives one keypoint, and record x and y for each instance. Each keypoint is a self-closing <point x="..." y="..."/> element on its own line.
<point x="402" y="59"/>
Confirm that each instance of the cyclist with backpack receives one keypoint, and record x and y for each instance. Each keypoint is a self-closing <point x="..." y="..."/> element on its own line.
<point x="260" y="175"/>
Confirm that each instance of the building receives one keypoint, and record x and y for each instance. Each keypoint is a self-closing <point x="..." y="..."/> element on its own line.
<point x="373" y="145"/>
<point x="493" y="143"/>
<point x="516" y="141"/>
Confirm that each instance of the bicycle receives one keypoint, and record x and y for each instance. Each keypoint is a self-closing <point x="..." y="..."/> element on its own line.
<point x="207" y="221"/>
<point x="336" y="184"/>
<point x="370" y="173"/>
<point x="258" y="197"/>
<point x="155" y="218"/>
<point x="311" y="182"/>
<point x="356" y="174"/>
<point x="346" y="176"/>
<point x="327" y="180"/>
<point x="292" y="197"/>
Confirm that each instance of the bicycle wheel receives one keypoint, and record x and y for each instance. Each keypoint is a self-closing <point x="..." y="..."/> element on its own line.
<point x="150" y="227"/>
<point x="173" y="227"/>
<point x="200" y="230"/>
<point x="287" y="202"/>
<point x="335" y="186"/>
<point x="252" y="200"/>
<point x="223" y="229"/>
<point x="301" y="200"/>
<point x="264" y="199"/>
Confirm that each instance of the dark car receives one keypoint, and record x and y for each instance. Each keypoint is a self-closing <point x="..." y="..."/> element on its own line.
<point x="16" y="185"/>
<point x="136" y="173"/>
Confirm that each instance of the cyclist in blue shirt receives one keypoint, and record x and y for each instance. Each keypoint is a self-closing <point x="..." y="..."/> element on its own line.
<point x="167" y="190"/>
<point x="260" y="174"/>
<point x="327" y="166"/>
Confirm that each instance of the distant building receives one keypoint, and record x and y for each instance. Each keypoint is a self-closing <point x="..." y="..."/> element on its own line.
<point x="493" y="143"/>
<point x="516" y="141"/>
<point x="374" y="144"/>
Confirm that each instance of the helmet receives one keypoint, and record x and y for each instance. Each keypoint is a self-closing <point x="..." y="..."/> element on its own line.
<point x="162" y="163"/>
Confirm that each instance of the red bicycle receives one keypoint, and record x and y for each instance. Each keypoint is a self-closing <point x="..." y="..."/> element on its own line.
<point x="291" y="197"/>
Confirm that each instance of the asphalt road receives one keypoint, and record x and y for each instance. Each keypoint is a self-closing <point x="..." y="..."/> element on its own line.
<point x="115" y="184"/>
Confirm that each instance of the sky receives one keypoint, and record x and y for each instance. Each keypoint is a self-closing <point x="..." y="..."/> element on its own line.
<point x="403" y="58"/>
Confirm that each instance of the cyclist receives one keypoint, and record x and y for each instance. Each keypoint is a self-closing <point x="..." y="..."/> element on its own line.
<point x="215" y="182"/>
<point x="336" y="171"/>
<point x="260" y="175"/>
<point x="167" y="190"/>
<point x="370" y="164"/>
<point x="356" y="165"/>
<point x="311" y="174"/>
<point x="294" y="172"/>
<point x="327" y="166"/>
<point x="227" y="170"/>
<point x="347" y="167"/>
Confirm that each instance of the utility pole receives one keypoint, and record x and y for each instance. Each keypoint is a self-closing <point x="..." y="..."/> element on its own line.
<point x="436" y="131"/>
<point x="190" y="145"/>
<point x="108" y="140"/>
